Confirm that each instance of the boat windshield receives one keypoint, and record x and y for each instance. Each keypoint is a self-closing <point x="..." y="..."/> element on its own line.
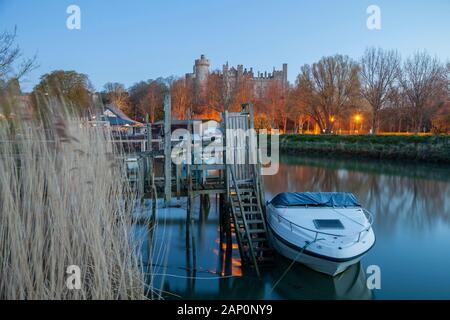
<point x="315" y="199"/>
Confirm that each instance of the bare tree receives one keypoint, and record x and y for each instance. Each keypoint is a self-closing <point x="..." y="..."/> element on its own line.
<point x="146" y="98"/>
<point x="378" y="71"/>
<point x="182" y="96"/>
<point x="329" y="87"/>
<point x="155" y="99"/>
<point x="297" y="109"/>
<point x="274" y="104"/>
<point x="242" y="93"/>
<point x="138" y="99"/>
<point x="12" y="63"/>
<point x="284" y="107"/>
<point x="423" y="80"/>
<point x="117" y="94"/>
<point x="396" y="110"/>
<point x="215" y="94"/>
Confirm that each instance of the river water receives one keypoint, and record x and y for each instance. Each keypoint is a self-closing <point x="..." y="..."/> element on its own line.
<point x="411" y="205"/>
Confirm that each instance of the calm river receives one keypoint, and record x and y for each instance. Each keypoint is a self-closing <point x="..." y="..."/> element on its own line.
<point x="411" y="204"/>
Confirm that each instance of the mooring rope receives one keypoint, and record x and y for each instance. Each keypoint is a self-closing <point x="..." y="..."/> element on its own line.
<point x="293" y="262"/>
<point x="193" y="278"/>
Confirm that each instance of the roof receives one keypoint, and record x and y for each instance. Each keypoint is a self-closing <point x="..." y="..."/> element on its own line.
<point x="116" y="117"/>
<point x="183" y="122"/>
<point x="320" y="199"/>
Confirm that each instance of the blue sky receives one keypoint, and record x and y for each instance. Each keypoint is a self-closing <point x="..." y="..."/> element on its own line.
<point x="129" y="41"/>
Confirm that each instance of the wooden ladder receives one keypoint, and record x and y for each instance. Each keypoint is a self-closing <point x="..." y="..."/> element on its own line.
<point x="248" y="222"/>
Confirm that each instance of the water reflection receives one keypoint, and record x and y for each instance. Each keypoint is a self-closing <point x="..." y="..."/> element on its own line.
<point x="303" y="283"/>
<point x="412" y="208"/>
<point x="395" y="193"/>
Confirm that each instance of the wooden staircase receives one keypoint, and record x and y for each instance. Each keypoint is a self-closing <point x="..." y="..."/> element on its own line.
<point x="248" y="221"/>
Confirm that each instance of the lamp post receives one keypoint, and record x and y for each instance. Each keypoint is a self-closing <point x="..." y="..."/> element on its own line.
<point x="332" y="120"/>
<point x="358" y="120"/>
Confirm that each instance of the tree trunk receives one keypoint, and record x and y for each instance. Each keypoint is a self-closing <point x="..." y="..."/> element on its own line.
<point x="375" y="122"/>
<point x="300" y="126"/>
<point x="417" y="122"/>
<point x="320" y="127"/>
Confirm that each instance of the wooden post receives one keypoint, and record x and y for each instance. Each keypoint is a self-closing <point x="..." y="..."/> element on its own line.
<point x="221" y="226"/>
<point x="190" y="204"/>
<point x="225" y="207"/>
<point x="149" y="134"/>
<point x="141" y="179"/>
<point x="155" y="195"/>
<point x="226" y="153"/>
<point x="257" y="167"/>
<point x="148" y="156"/>
<point x="178" y="182"/>
<point x="190" y="191"/>
<point x="167" y="150"/>
<point x="194" y="246"/>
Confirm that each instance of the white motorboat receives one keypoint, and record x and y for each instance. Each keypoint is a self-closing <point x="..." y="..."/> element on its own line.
<point x="326" y="231"/>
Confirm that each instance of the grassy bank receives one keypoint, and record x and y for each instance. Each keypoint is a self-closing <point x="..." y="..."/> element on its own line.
<point x="415" y="148"/>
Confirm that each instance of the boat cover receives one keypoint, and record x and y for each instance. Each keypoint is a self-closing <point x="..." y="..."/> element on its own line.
<point x="323" y="199"/>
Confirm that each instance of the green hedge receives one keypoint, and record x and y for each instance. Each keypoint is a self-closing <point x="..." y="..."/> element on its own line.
<point x="418" y="148"/>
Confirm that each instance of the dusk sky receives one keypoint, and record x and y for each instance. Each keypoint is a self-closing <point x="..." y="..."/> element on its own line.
<point x="129" y="41"/>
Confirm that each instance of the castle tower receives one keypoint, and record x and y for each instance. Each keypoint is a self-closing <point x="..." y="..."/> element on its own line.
<point x="201" y="71"/>
<point x="285" y="75"/>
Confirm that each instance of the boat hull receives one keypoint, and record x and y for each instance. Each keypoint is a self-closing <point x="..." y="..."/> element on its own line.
<point x="321" y="264"/>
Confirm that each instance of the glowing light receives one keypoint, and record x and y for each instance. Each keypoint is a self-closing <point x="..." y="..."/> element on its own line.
<point x="236" y="262"/>
<point x="234" y="246"/>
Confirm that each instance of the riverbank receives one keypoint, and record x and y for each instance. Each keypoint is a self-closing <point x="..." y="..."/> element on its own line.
<point x="435" y="149"/>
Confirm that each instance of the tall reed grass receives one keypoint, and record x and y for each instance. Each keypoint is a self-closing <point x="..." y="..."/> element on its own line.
<point x="63" y="202"/>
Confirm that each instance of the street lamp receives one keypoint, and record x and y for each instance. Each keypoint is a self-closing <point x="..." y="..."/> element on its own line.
<point x="358" y="119"/>
<point x="332" y="119"/>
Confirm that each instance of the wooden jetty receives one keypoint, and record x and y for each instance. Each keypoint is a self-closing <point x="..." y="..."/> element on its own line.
<point x="236" y="181"/>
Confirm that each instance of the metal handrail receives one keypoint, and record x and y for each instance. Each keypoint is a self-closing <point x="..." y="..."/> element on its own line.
<point x="366" y="212"/>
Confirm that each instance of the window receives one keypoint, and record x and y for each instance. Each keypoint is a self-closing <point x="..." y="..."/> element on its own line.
<point x="328" y="224"/>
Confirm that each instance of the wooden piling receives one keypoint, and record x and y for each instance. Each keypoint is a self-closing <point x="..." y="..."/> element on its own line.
<point x="167" y="150"/>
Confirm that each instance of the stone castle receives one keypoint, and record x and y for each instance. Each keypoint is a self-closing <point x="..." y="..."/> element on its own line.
<point x="260" y="81"/>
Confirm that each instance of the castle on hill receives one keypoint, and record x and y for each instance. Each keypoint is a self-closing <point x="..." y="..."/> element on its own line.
<point x="260" y="81"/>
